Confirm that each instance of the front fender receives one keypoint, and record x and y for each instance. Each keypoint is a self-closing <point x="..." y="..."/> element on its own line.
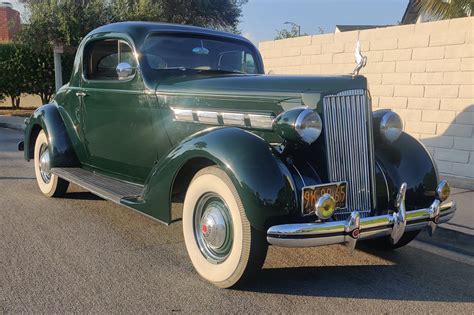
<point x="47" y="117"/>
<point x="260" y="177"/>
<point x="407" y="161"/>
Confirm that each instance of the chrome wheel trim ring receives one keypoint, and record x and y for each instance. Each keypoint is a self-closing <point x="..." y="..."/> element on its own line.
<point x="45" y="163"/>
<point x="213" y="228"/>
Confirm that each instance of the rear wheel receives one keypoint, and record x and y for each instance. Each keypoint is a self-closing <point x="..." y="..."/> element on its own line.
<point x="385" y="243"/>
<point x="50" y="185"/>
<point x="222" y="245"/>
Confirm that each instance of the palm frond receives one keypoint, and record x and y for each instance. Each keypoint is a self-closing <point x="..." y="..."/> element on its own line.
<point x="446" y="9"/>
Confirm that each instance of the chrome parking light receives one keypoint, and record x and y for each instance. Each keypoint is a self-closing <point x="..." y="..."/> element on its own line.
<point x="325" y="206"/>
<point x="443" y="190"/>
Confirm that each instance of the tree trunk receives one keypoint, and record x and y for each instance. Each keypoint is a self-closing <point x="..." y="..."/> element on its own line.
<point x="45" y="98"/>
<point x="12" y="99"/>
<point x="15" y="102"/>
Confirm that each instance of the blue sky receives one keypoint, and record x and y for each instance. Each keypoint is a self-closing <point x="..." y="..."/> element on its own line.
<point x="261" y="18"/>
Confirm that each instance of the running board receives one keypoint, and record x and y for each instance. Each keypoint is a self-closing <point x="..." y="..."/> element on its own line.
<point x="101" y="185"/>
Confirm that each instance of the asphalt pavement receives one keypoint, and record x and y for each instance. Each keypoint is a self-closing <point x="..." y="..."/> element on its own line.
<point x="81" y="253"/>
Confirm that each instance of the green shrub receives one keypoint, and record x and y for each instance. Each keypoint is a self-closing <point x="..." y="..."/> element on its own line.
<point x="29" y="70"/>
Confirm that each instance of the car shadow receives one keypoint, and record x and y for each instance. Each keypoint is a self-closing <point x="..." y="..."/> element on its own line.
<point x="81" y="195"/>
<point x="456" y="136"/>
<point x="411" y="276"/>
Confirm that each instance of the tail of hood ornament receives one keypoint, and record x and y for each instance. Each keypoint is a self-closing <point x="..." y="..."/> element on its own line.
<point x="360" y="60"/>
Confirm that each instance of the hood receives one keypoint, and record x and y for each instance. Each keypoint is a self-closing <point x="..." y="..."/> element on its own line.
<point x="255" y="93"/>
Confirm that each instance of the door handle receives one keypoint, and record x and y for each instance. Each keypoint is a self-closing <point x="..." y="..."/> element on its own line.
<point x="81" y="94"/>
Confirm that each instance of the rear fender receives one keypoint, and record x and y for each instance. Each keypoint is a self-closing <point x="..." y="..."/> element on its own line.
<point x="47" y="118"/>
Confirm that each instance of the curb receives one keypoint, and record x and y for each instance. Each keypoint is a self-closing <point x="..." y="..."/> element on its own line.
<point x="12" y="126"/>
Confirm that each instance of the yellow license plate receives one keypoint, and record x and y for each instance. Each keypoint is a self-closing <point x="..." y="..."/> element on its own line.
<point x="311" y="194"/>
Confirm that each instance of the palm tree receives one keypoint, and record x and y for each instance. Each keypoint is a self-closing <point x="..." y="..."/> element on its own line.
<point x="446" y="9"/>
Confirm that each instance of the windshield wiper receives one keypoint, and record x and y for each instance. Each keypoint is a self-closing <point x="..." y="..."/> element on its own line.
<point x="208" y="71"/>
<point x="175" y="68"/>
<point x="219" y="71"/>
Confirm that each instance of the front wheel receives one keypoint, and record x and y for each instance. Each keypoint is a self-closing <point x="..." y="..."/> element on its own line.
<point x="220" y="241"/>
<point x="50" y="185"/>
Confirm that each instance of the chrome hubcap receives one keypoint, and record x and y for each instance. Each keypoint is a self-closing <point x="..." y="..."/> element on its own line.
<point x="45" y="163"/>
<point x="213" y="228"/>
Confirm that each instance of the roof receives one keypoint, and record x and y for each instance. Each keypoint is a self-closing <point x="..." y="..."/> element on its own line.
<point x="411" y="13"/>
<point x="347" y="28"/>
<point x="139" y="30"/>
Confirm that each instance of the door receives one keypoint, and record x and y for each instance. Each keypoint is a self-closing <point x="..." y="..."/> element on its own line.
<point x="116" y="117"/>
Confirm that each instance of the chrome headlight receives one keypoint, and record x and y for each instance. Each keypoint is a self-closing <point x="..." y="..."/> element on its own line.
<point x="300" y="124"/>
<point x="309" y="125"/>
<point x="391" y="126"/>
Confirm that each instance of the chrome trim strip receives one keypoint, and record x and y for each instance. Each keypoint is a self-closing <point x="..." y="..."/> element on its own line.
<point x="208" y="117"/>
<point x="301" y="176"/>
<point x="248" y="120"/>
<point x="385" y="180"/>
<point x="371" y="147"/>
<point x="183" y="114"/>
<point x="261" y="121"/>
<point x="235" y="119"/>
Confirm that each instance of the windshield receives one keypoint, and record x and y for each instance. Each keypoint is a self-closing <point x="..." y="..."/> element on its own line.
<point x="171" y="52"/>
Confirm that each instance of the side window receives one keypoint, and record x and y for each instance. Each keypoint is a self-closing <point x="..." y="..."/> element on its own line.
<point x="250" y="64"/>
<point x="102" y="57"/>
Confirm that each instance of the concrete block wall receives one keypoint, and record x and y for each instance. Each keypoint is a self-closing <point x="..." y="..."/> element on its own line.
<point x="424" y="72"/>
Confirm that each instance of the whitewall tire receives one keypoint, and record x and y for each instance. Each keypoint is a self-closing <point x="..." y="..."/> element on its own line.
<point x="220" y="241"/>
<point x="50" y="185"/>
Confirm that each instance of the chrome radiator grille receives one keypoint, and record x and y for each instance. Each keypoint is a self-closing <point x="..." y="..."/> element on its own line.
<point x="350" y="153"/>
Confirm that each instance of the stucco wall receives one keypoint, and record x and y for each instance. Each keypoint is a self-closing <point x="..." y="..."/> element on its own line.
<point x="424" y="72"/>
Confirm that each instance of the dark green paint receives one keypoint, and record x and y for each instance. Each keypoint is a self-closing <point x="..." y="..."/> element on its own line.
<point x="60" y="147"/>
<point x="261" y="178"/>
<point x="284" y="124"/>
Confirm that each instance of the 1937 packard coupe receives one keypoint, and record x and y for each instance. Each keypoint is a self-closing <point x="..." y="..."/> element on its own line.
<point x="157" y="112"/>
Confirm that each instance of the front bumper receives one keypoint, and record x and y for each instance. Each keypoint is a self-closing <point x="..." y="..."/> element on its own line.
<point x="357" y="228"/>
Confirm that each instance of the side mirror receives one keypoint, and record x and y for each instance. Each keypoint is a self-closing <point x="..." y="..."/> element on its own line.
<point x="124" y="70"/>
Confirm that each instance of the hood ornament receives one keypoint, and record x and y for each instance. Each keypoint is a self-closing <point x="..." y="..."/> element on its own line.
<point x="360" y="60"/>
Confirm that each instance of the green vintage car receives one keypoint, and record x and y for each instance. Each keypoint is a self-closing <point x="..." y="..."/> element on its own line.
<point x="160" y="113"/>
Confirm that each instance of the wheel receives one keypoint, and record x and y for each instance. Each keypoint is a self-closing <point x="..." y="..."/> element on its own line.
<point x="222" y="245"/>
<point x="50" y="185"/>
<point x="385" y="243"/>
